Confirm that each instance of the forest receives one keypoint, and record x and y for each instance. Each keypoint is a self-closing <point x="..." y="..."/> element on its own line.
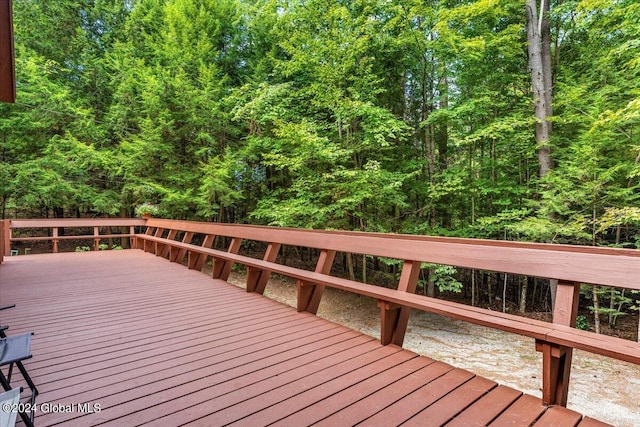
<point x="499" y="119"/>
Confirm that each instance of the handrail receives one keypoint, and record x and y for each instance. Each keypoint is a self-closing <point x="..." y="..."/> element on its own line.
<point x="56" y="224"/>
<point x="602" y="266"/>
<point x="570" y="265"/>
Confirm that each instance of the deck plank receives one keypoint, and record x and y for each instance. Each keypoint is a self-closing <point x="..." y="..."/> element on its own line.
<point x="453" y="403"/>
<point x="157" y="344"/>
<point x="523" y="412"/>
<point x="485" y="409"/>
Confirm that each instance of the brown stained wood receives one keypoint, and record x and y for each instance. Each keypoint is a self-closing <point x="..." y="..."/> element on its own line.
<point x="487" y="408"/>
<point x="165" y="386"/>
<point x="197" y="260"/>
<point x="556" y="365"/>
<point x="242" y="388"/>
<point x="165" y="250"/>
<point x="523" y="412"/>
<point x="79" y="237"/>
<point x="76" y="222"/>
<point x="180" y="253"/>
<point x="353" y="393"/>
<point x="606" y="266"/>
<point x="557" y="334"/>
<point x="257" y="279"/>
<point x="453" y="403"/>
<point x="557" y="416"/>
<point x="294" y="396"/>
<point x="383" y="398"/>
<point x="54" y="240"/>
<point x="507" y="322"/>
<point x="222" y="266"/>
<point x="395" y="318"/>
<point x="590" y="422"/>
<point x="403" y="409"/>
<point x="154" y="342"/>
<point x="310" y="294"/>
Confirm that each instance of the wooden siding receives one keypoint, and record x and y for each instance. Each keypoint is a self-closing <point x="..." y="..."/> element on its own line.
<point x="154" y="343"/>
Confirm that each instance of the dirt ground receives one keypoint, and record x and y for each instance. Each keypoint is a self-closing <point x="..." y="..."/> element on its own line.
<point x="602" y="388"/>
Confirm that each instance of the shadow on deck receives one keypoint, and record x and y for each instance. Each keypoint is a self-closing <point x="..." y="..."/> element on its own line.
<point x="128" y="338"/>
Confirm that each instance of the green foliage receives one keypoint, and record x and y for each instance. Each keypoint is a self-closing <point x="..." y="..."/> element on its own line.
<point x="147" y="208"/>
<point x="582" y="323"/>
<point x="443" y="276"/>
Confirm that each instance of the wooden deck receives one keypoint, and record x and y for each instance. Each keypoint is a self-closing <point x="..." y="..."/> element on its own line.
<point x="152" y="342"/>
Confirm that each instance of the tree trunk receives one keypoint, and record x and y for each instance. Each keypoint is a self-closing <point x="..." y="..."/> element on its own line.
<point x="431" y="286"/>
<point x="352" y="274"/>
<point x="364" y="269"/>
<point x="473" y="288"/>
<point x="523" y="297"/>
<point x="504" y="293"/>
<point x="490" y="279"/>
<point x="553" y="287"/>
<point x="612" y="306"/>
<point x="541" y="84"/>
<point x="596" y="310"/>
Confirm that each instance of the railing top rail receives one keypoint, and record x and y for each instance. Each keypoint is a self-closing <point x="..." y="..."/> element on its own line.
<point x="247" y="231"/>
<point x="75" y="222"/>
<point x="602" y="266"/>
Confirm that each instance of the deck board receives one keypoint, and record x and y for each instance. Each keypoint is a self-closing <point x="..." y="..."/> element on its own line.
<point x="157" y="344"/>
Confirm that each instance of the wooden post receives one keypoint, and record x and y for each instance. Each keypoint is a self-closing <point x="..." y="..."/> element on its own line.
<point x="394" y="318"/>
<point x="157" y="246"/>
<point x="55" y="240"/>
<point x="133" y="241"/>
<point x="257" y="279"/>
<point x="556" y="359"/>
<point x="196" y="260"/>
<point x="96" y="238"/>
<point x="165" y="250"/>
<point x="222" y="267"/>
<point x="310" y="294"/>
<point x="146" y="245"/>
<point x="177" y="255"/>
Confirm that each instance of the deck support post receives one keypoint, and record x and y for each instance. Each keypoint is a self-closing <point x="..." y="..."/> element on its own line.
<point x="393" y="317"/>
<point x="133" y="241"/>
<point x="157" y="247"/>
<point x="196" y="261"/>
<point x="256" y="278"/>
<point x="96" y="238"/>
<point x="310" y="294"/>
<point x="164" y="252"/>
<point x="556" y="369"/>
<point x="556" y="359"/>
<point x="55" y="240"/>
<point x="147" y="245"/>
<point x="222" y="267"/>
<point x="177" y="254"/>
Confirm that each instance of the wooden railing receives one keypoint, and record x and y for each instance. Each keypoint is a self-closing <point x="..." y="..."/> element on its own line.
<point x="570" y="265"/>
<point x="49" y="230"/>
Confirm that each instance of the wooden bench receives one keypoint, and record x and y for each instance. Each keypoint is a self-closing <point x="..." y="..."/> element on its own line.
<point x="555" y="340"/>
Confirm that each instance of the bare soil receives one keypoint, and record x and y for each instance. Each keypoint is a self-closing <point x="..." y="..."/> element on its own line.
<point x="602" y="388"/>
